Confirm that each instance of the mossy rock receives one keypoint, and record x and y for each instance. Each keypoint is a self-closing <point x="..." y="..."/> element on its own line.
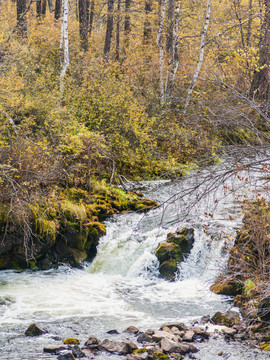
<point x="230" y="318"/>
<point x="184" y="238"/>
<point x="224" y="286"/>
<point x="167" y="251"/>
<point x="33" y="330"/>
<point x="103" y="210"/>
<point x="79" y="241"/>
<point x="71" y="341"/>
<point x="265" y="347"/>
<point x="77" y="255"/>
<point x="145" y="205"/>
<point x="4" y="261"/>
<point x="167" y="269"/>
<point x="95" y="230"/>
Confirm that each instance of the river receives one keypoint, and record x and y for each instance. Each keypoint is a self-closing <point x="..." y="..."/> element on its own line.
<point x="121" y="287"/>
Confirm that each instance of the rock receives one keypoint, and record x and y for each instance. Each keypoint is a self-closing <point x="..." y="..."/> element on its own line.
<point x="33" y="330"/>
<point x="228" y="331"/>
<point x="200" y="332"/>
<point x="160" y="356"/>
<point x="132" y="346"/>
<point x="205" y="319"/>
<point x="179" y="326"/>
<point x="144" y="338"/>
<point x="54" y="349"/>
<point x="265" y="347"/>
<point x="167" y="251"/>
<point x="192" y="348"/>
<point x="264" y="309"/>
<point x="159" y="335"/>
<point x="227" y="286"/>
<point x="131" y="330"/>
<point x="77" y="352"/>
<point x="149" y="332"/>
<point x="189" y="335"/>
<point x="92" y="341"/>
<point x="168" y="269"/>
<point x="170" y="346"/>
<point x="68" y="356"/>
<point x="117" y="347"/>
<point x="184" y="238"/>
<point x="71" y="341"/>
<point x="230" y="318"/>
<point x="113" y="332"/>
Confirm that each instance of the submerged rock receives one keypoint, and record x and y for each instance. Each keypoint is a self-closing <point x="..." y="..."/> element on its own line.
<point x="54" y="349"/>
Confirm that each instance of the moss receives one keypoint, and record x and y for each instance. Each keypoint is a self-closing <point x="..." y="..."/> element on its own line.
<point x="78" y="241"/>
<point x="139" y="351"/>
<point x="31" y="264"/>
<point x="47" y="229"/>
<point x="77" y="255"/>
<point x="76" y="194"/>
<point x="73" y="212"/>
<point x="265" y="347"/>
<point x="71" y="341"/>
<point x="168" y="268"/>
<point x="166" y="251"/>
<point x="160" y="356"/>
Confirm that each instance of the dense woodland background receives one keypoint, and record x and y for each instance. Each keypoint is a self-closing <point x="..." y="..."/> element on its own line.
<point x="93" y="90"/>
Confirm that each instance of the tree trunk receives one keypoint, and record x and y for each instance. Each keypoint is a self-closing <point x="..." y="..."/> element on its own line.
<point x="21" y="20"/>
<point x="38" y="8"/>
<point x="83" y="20"/>
<point x="91" y="16"/>
<point x="147" y="30"/>
<point x="201" y="56"/>
<point x="260" y="87"/>
<point x="109" y="31"/>
<point x="57" y="10"/>
<point x="64" y="41"/>
<point x="43" y="7"/>
<point x="117" y="50"/>
<point x="127" y="23"/>
<point x="172" y="48"/>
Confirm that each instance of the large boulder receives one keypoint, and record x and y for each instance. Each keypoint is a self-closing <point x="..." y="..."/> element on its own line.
<point x="121" y="348"/>
<point x="229" y="318"/>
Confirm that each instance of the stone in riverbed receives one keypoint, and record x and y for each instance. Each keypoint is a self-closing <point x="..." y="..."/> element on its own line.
<point x="179" y="326"/>
<point x="67" y="356"/>
<point x="34" y="330"/>
<point x="230" y="318"/>
<point x="189" y="335"/>
<point x="170" y="346"/>
<point x="144" y="338"/>
<point x="117" y="347"/>
<point x="159" y="335"/>
<point x="92" y="342"/>
<point x="54" y="349"/>
<point x="132" y="330"/>
<point x="77" y="352"/>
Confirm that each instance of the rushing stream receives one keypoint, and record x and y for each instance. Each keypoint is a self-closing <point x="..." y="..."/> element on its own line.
<point x="121" y="287"/>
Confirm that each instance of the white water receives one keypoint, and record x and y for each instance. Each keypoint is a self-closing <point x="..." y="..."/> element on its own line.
<point x="122" y="287"/>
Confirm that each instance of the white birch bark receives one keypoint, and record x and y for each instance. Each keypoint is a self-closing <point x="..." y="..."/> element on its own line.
<point x="201" y="56"/>
<point x="174" y="60"/>
<point x="11" y="121"/>
<point x="64" y="41"/>
<point x="161" y="52"/>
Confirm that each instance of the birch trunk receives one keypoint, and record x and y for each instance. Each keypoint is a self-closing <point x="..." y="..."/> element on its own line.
<point x="172" y="46"/>
<point x="201" y="56"/>
<point x="65" y="50"/>
<point x="161" y="52"/>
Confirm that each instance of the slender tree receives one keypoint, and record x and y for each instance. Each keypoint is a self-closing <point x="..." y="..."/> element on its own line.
<point x="57" y="10"/>
<point x="117" y="51"/>
<point x="43" y="7"/>
<point x="83" y="20"/>
<point x="91" y="16"/>
<point x="64" y="48"/>
<point x="21" y="20"/>
<point x="147" y="30"/>
<point x="109" y="30"/>
<point x="127" y="22"/>
<point x="38" y="8"/>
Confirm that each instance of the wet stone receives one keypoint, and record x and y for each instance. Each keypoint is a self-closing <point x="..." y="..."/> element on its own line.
<point x="34" y="330"/>
<point x="92" y="341"/>
<point x="189" y="335"/>
<point x="144" y="338"/>
<point x="131" y="330"/>
<point x="118" y="347"/>
<point x="67" y="356"/>
<point x="54" y="349"/>
<point x="77" y="352"/>
<point x="179" y="326"/>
